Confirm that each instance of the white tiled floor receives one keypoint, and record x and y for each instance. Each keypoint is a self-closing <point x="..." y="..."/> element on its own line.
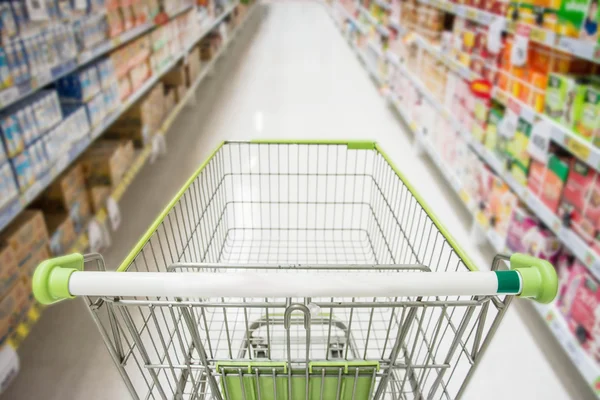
<point x="290" y="74"/>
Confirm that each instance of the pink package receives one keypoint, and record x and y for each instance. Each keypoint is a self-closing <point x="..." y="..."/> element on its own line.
<point x="526" y="235"/>
<point x="581" y="301"/>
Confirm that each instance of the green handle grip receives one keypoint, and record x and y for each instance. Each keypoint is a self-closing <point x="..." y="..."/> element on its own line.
<point x="51" y="278"/>
<point x="539" y="280"/>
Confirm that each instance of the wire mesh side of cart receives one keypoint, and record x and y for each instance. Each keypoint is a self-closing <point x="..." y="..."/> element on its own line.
<point x="337" y="208"/>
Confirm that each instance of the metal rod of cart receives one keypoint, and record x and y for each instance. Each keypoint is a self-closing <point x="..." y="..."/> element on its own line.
<point x="296" y="270"/>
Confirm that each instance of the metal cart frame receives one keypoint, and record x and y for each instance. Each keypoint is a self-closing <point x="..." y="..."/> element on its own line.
<point x="296" y="270"/>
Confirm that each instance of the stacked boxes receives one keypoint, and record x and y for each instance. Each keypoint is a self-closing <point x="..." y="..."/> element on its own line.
<point x="142" y="120"/>
<point x="27" y="237"/>
<point x="106" y="162"/>
<point x="68" y="195"/>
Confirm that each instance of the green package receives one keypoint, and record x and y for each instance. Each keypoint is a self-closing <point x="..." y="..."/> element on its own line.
<point x="517" y="151"/>
<point x="579" y="19"/>
<point x="586" y="113"/>
<point x="560" y="96"/>
<point x="492" y="137"/>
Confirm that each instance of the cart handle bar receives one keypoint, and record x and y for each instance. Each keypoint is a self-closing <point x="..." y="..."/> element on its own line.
<point x="63" y="277"/>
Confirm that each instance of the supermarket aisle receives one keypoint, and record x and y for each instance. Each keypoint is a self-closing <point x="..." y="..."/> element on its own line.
<point x="289" y="75"/>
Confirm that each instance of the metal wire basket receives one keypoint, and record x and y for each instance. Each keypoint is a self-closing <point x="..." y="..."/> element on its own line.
<point x="296" y="270"/>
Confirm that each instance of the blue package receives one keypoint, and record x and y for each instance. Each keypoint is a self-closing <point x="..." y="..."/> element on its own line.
<point x="5" y="75"/>
<point x="8" y="25"/>
<point x="11" y="135"/>
<point x="81" y="85"/>
<point x="22" y="170"/>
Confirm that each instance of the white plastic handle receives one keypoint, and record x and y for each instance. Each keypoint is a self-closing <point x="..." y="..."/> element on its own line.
<point x="273" y="284"/>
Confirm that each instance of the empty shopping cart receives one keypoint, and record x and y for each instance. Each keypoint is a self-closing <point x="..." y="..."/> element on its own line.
<point x="296" y="270"/>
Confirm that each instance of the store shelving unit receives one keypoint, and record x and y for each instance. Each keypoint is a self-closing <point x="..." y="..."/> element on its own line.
<point x="565" y="137"/>
<point x="44" y="78"/>
<point x="14" y="207"/>
<point x="82" y="244"/>
<point x="579" y="48"/>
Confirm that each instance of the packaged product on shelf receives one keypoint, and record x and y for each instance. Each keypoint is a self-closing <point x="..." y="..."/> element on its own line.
<point x="38" y="159"/>
<point x="170" y="99"/>
<point x="517" y="151"/>
<point x="176" y="76"/>
<point x="38" y="255"/>
<point x="62" y="193"/>
<point x="141" y="121"/>
<point x="81" y="85"/>
<point x="70" y="131"/>
<point x="13" y="306"/>
<point x="114" y="22"/>
<point x="23" y="170"/>
<point x="17" y="62"/>
<point x="80" y="211"/>
<point x="106" y="162"/>
<point x="8" y="186"/>
<point x="27" y="123"/>
<point x="547" y="181"/>
<point x="46" y="109"/>
<point x="9" y="272"/>
<point x="62" y="232"/>
<point x="579" y="19"/>
<point x="501" y="203"/>
<point x="526" y="235"/>
<point x="98" y="196"/>
<point x="112" y="98"/>
<point x="581" y="200"/>
<point x="90" y="31"/>
<point x="192" y="69"/>
<point x="28" y="231"/>
<point x="106" y="72"/>
<point x="11" y="135"/>
<point x="139" y="74"/>
<point x="580" y="303"/>
<point x="8" y="25"/>
<point x="586" y="113"/>
<point x="125" y="88"/>
<point x="140" y="12"/>
<point x="560" y="96"/>
<point x="127" y="17"/>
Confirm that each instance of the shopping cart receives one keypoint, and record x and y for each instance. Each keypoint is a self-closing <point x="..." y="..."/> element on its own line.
<point x="296" y="270"/>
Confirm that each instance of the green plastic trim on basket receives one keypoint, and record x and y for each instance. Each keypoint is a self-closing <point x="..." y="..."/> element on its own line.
<point x="150" y="231"/>
<point x="250" y="386"/>
<point x="352" y="144"/>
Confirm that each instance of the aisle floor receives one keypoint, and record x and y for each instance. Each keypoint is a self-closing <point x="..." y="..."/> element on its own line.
<point x="290" y="74"/>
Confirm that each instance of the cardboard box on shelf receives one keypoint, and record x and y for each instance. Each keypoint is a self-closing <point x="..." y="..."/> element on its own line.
<point x="105" y="163"/>
<point x="176" y="76"/>
<point x="13" y="307"/>
<point x="9" y="270"/>
<point x="37" y="256"/>
<point x="27" y="231"/>
<point x="193" y="66"/>
<point x="64" y="190"/>
<point x="181" y="90"/>
<point x="142" y="120"/>
<point x="80" y="211"/>
<point x="98" y="196"/>
<point x="62" y="232"/>
<point x="170" y="99"/>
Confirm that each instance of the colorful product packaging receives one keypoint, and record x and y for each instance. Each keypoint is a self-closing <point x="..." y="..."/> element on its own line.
<point x="560" y="96"/>
<point x="579" y="19"/>
<point x="580" y="304"/>
<point x="526" y="235"/>
<point x="586" y="113"/>
<point x="581" y="200"/>
<point x="547" y="181"/>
